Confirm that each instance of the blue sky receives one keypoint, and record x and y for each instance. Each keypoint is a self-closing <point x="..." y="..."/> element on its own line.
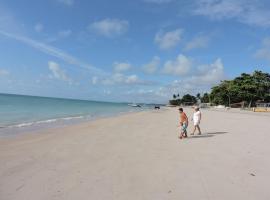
<point x="123" y="50"/>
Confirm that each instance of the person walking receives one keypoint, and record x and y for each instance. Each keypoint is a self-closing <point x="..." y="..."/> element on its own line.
<point x="183" y="124"/>
<point x="197" y="116"/>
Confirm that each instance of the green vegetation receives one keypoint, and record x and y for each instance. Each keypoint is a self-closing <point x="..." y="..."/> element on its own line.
<point x="247" y="88"/>
<point x="187" y="99"/>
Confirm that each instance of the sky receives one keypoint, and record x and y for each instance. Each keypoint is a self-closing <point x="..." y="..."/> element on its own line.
<point x="129" y="50"/>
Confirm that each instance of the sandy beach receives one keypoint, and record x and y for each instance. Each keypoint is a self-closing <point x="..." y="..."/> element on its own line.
<point x="138" y="156"/>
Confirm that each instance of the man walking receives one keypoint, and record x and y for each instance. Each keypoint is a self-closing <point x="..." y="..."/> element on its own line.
<point x="183" y="123"/>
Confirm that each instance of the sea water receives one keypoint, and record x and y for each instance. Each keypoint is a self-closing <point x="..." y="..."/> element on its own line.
<point x="19" y="111"/>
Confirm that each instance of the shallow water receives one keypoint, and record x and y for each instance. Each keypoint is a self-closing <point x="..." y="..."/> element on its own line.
<point x="20" y="111"/>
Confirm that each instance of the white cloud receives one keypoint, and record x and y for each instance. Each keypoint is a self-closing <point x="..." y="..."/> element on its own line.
<point x="169" y="39"/>
<point x="39" y="27"/>
<point x="121" y="79"/>
<point x="57" y="72"/>
<point x="178" y="67"/>
<point x="203" y="78"/>
<point x="3" y="72"/>
<point x="64" y="33"/>
<point x="209" y="74"/>
<point x="121" y="67"/>
<point x="197" y="42"/>
<point x="110" y="27"/>
<point x="132" y="79"/>
<point x="50" y="50"/>
<point x="245" y="11"/>
<point x="66" y="2"/>
<point x="94" y="80"/>
<point x="158" y="1"/>
<point x="107" y="92"/>
<point x="264" y="51"/>
<point x="152" y="67"/>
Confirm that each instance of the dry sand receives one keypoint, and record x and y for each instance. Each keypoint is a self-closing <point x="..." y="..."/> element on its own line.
<point x="139" y="157"/>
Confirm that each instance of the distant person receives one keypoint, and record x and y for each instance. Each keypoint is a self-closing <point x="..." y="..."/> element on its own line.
<point x="197" y="116"/>
<point x="183" y="123"/>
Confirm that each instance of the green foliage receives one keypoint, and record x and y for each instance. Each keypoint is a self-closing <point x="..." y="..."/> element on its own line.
<point x="186" y="99"/>
<point x="205" y="98"/>
<point x="245" y="88"/>
<point x="175" y="102"/>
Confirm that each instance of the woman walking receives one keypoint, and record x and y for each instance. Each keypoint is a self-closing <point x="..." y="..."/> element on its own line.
<point x="197" y="116"/>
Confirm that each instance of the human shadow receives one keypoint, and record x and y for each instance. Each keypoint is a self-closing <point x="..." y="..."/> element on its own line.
<point x="200" y="136"/>
<point x="207" y="135"/>
<point x="216" y="133"/>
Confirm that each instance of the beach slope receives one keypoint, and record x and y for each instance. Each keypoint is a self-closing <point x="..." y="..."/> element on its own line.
<point x="138" y="156"/>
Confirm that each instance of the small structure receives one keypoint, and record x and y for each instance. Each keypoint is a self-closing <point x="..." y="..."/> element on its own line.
<point x="238" y="105"/>
<point x="262" y="107"/>
<point x="188" y="104"/>
<point x="205" y="105"/>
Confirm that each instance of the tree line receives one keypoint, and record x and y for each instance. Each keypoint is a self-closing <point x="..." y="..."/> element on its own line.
<point x="246" y="88"/>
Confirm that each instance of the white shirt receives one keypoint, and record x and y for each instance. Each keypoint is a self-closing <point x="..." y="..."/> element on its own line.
<point x="197" y="116"/>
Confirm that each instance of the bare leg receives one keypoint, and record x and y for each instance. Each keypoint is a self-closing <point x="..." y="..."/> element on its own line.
<point x="193" y="130"/>
<point x="181" y="135"/>
<point x="199" y="129"/>
<point x="185" y="134"/>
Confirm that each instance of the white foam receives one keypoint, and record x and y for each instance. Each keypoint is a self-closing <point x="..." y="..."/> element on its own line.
<point x="26" y="124"/>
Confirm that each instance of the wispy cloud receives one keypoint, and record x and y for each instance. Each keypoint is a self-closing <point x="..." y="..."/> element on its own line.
<point x="119" y="78"/>
<point x="264" y="51"/>
<point x="245" y="11"/>
<point x="152" y="66"/>
<point x="66" y="2"/>
<point x="52" y="51"/>
<point x="197" y="42"/>
<point x="4" y="72"/>
<point x="168" y="39"/>
<point x="57" y="72"/>
<point x="39" y="27"/>
<point x="64" y="33"/>
<point x="121" y="66"/>
<point x="109" y="27"/>
<point x="158" y="1"/>
<point x="8" y="21"/>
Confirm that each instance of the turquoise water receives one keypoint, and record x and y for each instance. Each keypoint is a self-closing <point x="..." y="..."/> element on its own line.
<point x="21" y="111"/>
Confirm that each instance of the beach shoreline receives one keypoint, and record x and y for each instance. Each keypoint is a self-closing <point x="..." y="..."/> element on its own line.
<point x="139" y="156"/>
<point x="51" y="124"/>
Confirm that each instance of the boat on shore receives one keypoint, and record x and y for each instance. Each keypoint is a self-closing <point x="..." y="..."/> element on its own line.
<point x="135" y="105"/>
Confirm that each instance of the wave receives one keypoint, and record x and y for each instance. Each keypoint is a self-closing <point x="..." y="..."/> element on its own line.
<point x="27" y="124"/>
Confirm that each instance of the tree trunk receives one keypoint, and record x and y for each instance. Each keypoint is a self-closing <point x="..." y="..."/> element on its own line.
<point x="249" y="105"/>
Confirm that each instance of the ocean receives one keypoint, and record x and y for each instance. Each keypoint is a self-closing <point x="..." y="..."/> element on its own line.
<point x="20" y="112"/>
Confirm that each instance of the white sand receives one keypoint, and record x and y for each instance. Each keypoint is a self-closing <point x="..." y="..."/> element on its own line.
<point x="139" y="157"/>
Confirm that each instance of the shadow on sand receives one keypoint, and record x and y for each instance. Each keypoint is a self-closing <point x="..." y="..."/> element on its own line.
<point x="200" y="136"/>
<point x="216" y="133"/>
<point x="206" y="135"/>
